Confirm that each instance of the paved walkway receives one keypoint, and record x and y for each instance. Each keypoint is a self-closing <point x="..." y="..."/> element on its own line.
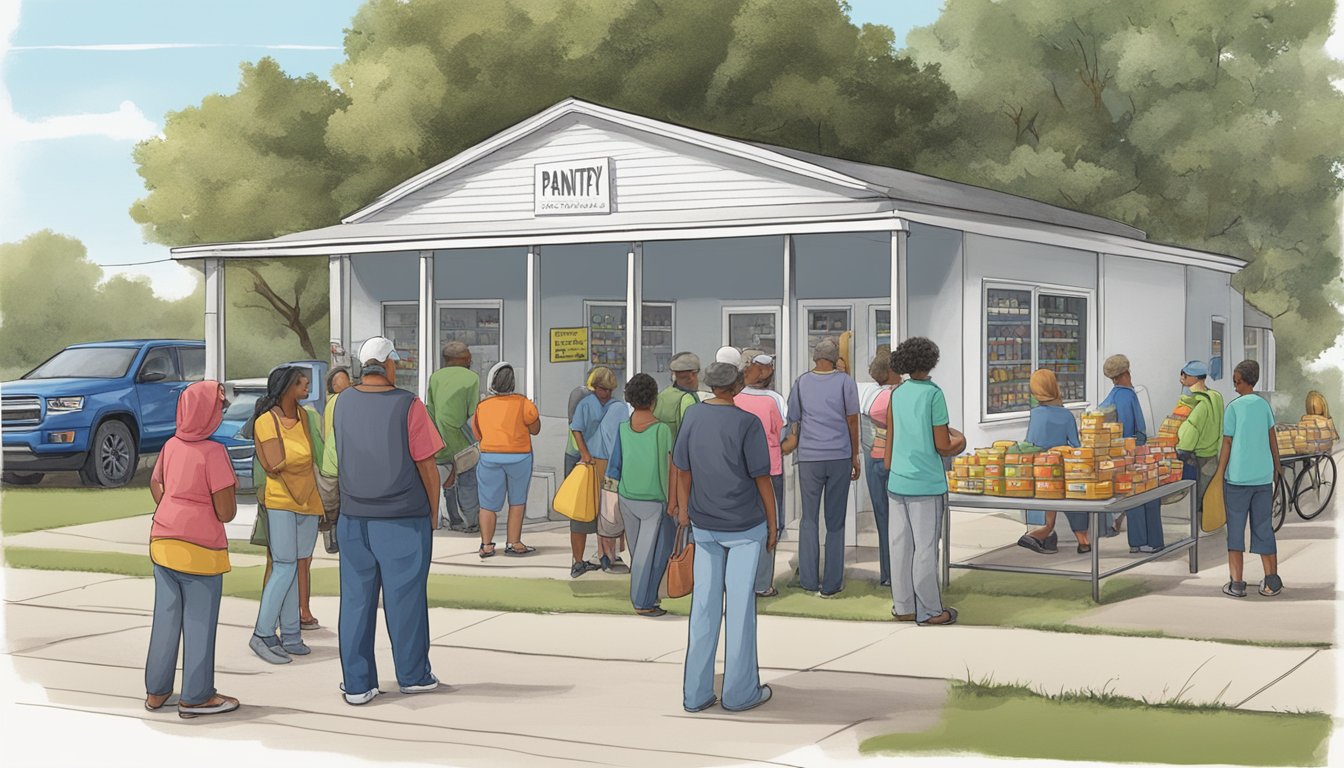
<point x="560" y="689"/>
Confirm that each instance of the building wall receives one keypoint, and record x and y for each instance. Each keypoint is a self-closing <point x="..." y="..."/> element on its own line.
<point x="999" y="259"/>
<point x="935" y="293"/>
<point x="376" y="278"/>
<point x="1144" y="318"/>
<point x="489" y="274"/>
<point x="1208" y="294"/>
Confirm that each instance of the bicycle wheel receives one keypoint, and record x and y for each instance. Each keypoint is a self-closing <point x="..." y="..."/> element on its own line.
<point x="1280" y="508"/>
<point x="1314" y="487"/>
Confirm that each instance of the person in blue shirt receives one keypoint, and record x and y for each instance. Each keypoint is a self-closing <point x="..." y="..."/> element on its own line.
<point x="1052" y="425"/>
<point x="1145" y="522"/>
<point x="609" y="548"/>
<point x="584" y="428"/>
<point x="1249" y="462"/>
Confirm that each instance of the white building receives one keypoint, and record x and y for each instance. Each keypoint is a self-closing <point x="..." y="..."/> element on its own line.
<point x="588" y="217"/>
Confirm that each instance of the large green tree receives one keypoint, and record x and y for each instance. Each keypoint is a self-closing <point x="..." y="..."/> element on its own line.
<point x="43" y="314"/>
<point x="1209" y="123"/>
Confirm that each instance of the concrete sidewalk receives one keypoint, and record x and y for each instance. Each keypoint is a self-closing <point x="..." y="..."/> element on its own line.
<point x="559" y="689"/>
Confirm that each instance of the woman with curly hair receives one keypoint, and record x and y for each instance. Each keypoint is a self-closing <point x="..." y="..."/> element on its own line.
<point x="918" y="437"/>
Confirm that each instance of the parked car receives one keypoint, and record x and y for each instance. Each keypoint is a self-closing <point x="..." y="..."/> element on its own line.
<point x="242" y="395"/>
<point x="95" y="408"/>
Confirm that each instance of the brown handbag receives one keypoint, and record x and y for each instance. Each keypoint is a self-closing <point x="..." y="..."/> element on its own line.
<point x="681" y="567"/>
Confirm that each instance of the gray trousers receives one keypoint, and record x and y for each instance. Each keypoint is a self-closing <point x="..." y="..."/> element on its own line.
<point x="186" y="607"/>
<point x="765" y="569"/>
<point x="1207" y="469"/>
<point x="832" y="478"/>
<point x="914" y="528"/>
<point x="646" y="527"/>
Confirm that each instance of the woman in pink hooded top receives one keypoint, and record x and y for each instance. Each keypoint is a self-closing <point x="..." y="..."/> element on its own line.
<point x="193" y="487"/>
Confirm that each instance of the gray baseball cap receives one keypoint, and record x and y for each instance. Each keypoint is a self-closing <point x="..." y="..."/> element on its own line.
<point x="721" y="375"/>
<point x="684" y="361"/>
<point x="827" y="349"/>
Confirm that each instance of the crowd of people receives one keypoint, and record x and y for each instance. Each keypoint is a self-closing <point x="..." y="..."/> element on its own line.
<point x="702" y="458"/>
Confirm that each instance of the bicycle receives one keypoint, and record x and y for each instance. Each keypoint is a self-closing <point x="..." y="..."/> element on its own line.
<point x="1310" y="490"/>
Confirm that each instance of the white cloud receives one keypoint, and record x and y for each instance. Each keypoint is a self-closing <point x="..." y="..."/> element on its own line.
<point x="128" y="123"/>
<point x="122" y="47"/>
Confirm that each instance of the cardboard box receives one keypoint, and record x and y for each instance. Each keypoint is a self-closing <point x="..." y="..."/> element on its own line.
<point x="994" y="486"/>
<point x="993" y="470"/>
<point x="1047" y="472"/>
<point x="1087" y="490"/>
<point x="1080" y="453"/>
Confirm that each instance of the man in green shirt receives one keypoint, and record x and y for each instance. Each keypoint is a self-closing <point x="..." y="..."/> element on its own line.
<point x="1201" y="435"/>
<point x="454" y="391"/>
<point x="670" y="408"/>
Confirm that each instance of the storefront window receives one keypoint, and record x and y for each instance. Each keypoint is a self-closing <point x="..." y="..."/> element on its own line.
<point x="881" y="328"/>
<point x="606" y="336"/>
<point x="753" y="330"/>
<point x="401" y="324"/>
<point x="657" y="339"/>
<point x="823" y="323"/>
<point x="1217" y="337"/>
<point x="1027" y="329"/>
<point x="477" y="326"/>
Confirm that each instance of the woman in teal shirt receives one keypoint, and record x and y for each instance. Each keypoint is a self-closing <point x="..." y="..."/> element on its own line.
<point x="917" y="438"/>
<point x="639" y="460"/>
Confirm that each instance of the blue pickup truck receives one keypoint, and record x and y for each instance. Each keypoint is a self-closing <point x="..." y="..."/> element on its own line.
<point x="95" y="408"/>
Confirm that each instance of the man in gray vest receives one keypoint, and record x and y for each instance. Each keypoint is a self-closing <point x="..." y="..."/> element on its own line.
<point x="382" y="449"/>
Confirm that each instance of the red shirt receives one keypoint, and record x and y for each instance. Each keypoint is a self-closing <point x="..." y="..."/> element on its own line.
<point x="191" y="472"/>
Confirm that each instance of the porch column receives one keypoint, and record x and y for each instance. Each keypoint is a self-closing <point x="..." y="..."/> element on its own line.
<point x="784" y="351"/>
<point x="214" y="318"/>
<point x="900" y="316"/>
<point x="428" y="338"/>
<point x="634" y="310"/>
<point x="338" y="301"/>
<point x="533" y="313"/>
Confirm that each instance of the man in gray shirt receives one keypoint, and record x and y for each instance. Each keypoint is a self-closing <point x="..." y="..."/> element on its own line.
<point x="824" y="416"/>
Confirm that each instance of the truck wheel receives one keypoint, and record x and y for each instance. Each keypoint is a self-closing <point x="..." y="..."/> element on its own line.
<point x="22" y="478"/>
<point x="112" y="457"/>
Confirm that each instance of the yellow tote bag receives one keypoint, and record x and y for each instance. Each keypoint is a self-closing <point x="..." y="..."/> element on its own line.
<point x="576" y="498"/>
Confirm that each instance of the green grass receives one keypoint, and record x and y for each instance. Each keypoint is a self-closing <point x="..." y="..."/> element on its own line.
<point x="40" y="509"/>
<point x="246" y="548"/>
<point x="1011" y="721"/>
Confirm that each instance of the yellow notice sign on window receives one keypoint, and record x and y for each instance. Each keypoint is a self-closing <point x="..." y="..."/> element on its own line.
<point x="569" y="345"/>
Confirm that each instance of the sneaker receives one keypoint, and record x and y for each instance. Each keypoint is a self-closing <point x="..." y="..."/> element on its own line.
<point x="356" y="699"/>
<point x="578" y="569"/>
<point x="1133" y="550"/>
<point x="296" y="648"/>
<point x="433" y="684"/>
<point x="269" y="649"/>
<point x="829" y="595"/>
<point x="1149" y="550"/>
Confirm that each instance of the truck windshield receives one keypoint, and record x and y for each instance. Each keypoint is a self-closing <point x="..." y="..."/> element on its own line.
<point x="86" y="363"/>
<point x="243" y="403"/>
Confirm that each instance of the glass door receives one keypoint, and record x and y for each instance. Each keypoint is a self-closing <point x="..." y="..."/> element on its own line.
<point x="820" y="322"/>
<point x="752" y="328"/>
<point x="606" y="335"/>
<point x="1062" y="342"/>
<point x="657" y="349"/>
<point x="401" y="324"/>
<point x="478" y="325"/>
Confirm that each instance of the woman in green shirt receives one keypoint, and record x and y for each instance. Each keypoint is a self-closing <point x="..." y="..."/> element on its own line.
<point x="640" y="459"/>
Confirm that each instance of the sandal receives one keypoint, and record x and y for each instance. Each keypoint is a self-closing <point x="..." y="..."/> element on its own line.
<point x="1271" y="586"/>
<point x="217" y="705"/>
<point x="950" y="613"/>
<point x="309" y="625"/>
<point x="485" y="554"/>
<point x="651" y="612"/>
<point x="771" y="592"/>
<point x="526" y="550"/>
<point x="154" y="702"/>
<point x="1235" y="589"/>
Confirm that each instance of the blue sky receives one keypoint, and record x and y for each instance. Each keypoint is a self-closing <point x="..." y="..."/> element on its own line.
<point x="82" y="81"/>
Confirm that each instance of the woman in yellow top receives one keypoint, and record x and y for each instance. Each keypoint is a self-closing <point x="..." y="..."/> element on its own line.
<point x="293" y="508"/>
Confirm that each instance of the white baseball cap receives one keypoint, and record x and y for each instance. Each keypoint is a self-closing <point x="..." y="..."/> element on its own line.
<point x="378" y="348"/>
<point x="730" y="355"/>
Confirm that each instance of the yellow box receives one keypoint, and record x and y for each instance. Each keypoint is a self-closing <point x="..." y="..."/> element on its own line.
<point x="1047" y="472"/>
<point x="993" y="470"/>
<point x="1087" y="490"/>
<point x="1116" y="451"/>
<point x="976" y="472"/>
<point x="1080" y="453"/>
<point x="1003" y="445"/>
<point x="994" y="486"/>
<point x="1016" y="470"/>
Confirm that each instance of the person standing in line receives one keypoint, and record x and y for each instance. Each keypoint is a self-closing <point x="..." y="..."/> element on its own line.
<point x="1145" y="522"/>
<point x="576" y="396"/>
<point x="610" y="547"/>
<point x="640" y="464"/>
<point x="873" y="441"/>
<point x="285" y="448"/>
<point x="454" y="391"/>
<point x="764" y="387"/>
<point x="724" y="469"/>
<point x="671" y="406"/>
<point x="505" y="423"/>
<point x="759" y="367"/>
<point x="918" y="437"/>
<point x="194" y="488"/>
<point x="338" y="380"/>
<point x="824" y="415"/>
<point x="584" y="429"/>
<point x="1052" y="425"/>
<point x="1249" y="462"/>
<point x="1201" y="434"/>
<point x="382" y="448"/>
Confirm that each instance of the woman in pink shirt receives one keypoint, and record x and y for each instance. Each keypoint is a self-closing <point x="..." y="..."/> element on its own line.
<point x="873" y="438"/>
<point x="193" y="487"/>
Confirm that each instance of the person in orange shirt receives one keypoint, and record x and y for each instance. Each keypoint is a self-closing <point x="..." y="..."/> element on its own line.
<point x="505" y="423"/>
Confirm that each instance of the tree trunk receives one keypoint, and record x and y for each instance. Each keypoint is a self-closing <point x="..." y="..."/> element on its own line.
<point x="290" y="313"/>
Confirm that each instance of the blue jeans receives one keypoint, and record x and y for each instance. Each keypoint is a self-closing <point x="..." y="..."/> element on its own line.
<point x="391" y="555"/>
<point x="292" y="537"/>
<point x="1145" y="525"/>
<point x="646" y="526"/>
<point x="831" y="478"/>
<point x="876" y="473"/>
<point x="186" y="607"/>
<point x="765" y="571"/>
<point x="461" y="503"/>
<point x="725" y="570"/>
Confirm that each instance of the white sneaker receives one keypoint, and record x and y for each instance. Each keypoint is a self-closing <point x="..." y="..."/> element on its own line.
<point x="425" y="688"/>
<point x="356" y="699"/>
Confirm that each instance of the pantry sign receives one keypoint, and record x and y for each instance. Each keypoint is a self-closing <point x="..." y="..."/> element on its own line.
<point x="574" y="186"/>
<point x="569" y="345"/>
